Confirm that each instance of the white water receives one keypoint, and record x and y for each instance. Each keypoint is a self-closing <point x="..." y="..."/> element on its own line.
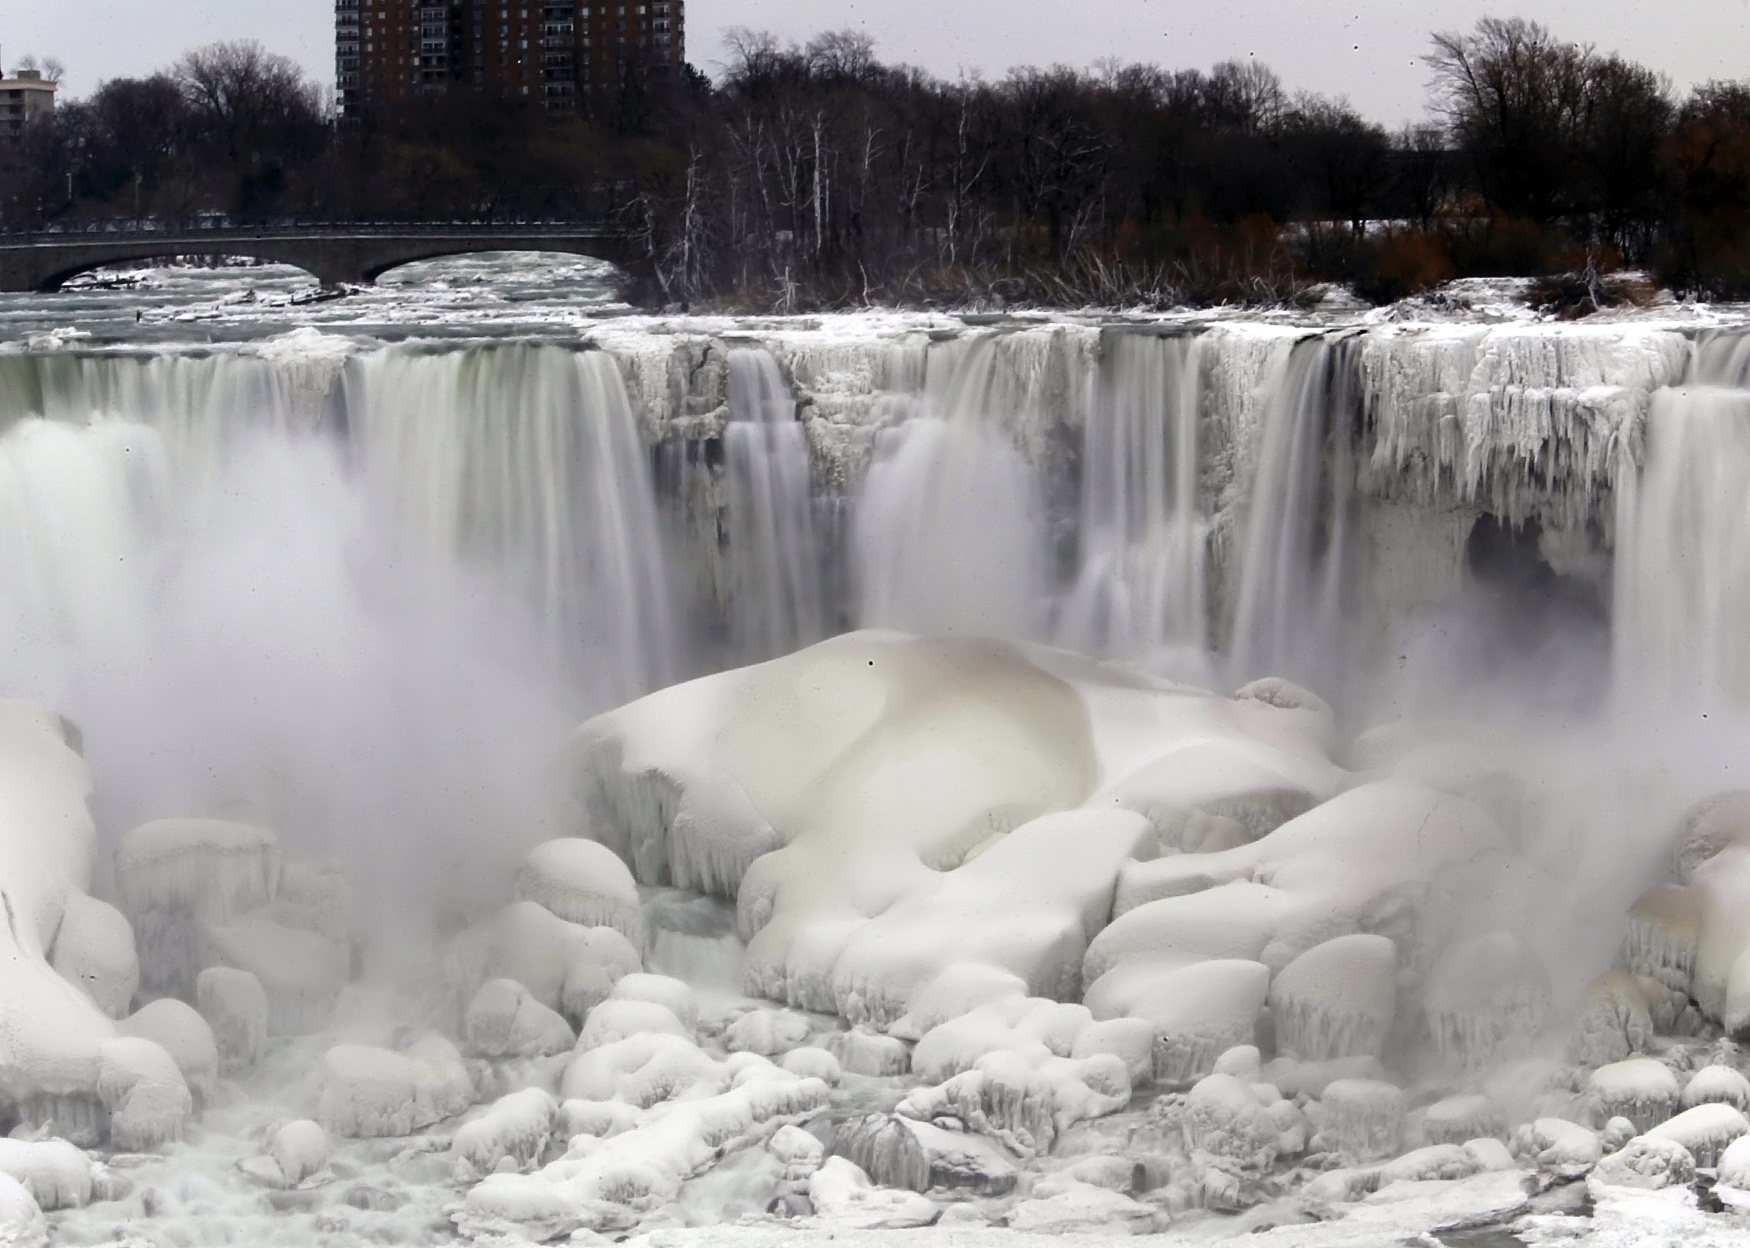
<point x="1141" y="588"/>
<point x="776" y="602"/>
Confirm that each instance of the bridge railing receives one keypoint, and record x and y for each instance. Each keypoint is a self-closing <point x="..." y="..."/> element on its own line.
<point x="183" y="227"/>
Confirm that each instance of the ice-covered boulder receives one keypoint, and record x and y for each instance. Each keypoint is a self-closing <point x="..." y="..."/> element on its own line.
<point x="514" y="1130"/>
<point x="1648" y="1162"/>
<point x="369" y="1091"/>
<point x="185" y="1035"/>
<point x="1486" y="1000"/>
<point x="22" y="1224"/>
<point x="863" y="1052"/>
<point x="1364" y="1118"/>
<point x="235" y="1006"/>
<point x="1070" y="1208"/>
<point x="302" y="972"/>
<point x="55" y="1173"/>
<point x="1641" y="1089"/>
<point x="1024" y="1098"/>
<point x="813" y="1063"/>
<point x="843" y="1195"/>
<point x="1695" y="937"/>
<point x="959" y="989"/>
<point x="1615" y="1021"/>
<point x="615" y="1020"/>
<point x="94" y="948"/>
<point x="51" y="1032"/>
<point x="766" y="1032"/>
<point x="583" y="882"/>
<point x="300" y="1149"/>
<point x="1337" y="999"/>
<point x="1015" y="1023"/>
<point x="1717" y="1085"/>
<point x="566" y="967"/>
<point x="179" y="877"/>
<point x="504" y="1020"/>
<point x="800" y="1153"/>
<point x="1734" y="1167"/>
<point x="143" y="1090"/>
<point x="1132" y="1040"/>
<point x="676" y="995"/>
<point x="1457" y="1119"/>
<point x="643" y="1070"/>
<point x="1224" y="1118"/>
<point x="1557" y="1144"/>
<point x="1197" y="1010"/>
<point x="1704" y="1131"/>
<point x="896" y="1151"/>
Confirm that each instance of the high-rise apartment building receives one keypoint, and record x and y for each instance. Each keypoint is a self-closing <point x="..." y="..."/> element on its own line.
<point x="24" y="97"/>
<point x="389" y="50"/>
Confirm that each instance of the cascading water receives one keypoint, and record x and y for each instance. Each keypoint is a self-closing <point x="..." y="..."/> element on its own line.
<point x="949" y="531"/>
<point x="1289" y="612"/>
<point x="526" y="463"/>
<point x="776" y="597"/>
<point x="1140" y="592"/>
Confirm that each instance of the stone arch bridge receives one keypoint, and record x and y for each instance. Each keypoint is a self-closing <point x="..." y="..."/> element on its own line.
<point x="335" y="254"/>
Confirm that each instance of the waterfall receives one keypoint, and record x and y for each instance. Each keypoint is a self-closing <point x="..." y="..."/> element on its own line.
<point x="1140" y="588"/>
<point x="1683" y="540"/>
<point x="775" y="593"/>
<point x="949" y="531"/>
<point x="525" y="463"/>
<point x="1288" y="614"/>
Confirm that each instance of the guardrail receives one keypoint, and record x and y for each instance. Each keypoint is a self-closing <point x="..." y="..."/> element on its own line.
<point x="101" y="228"/>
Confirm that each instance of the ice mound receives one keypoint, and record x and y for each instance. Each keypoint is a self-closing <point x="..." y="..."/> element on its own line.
<point x="1615" y="1021"/>
<point x="21" y="1220"/>
<point x="1020" y="1024"/>
<point x="1083" y="1209"/>
<point x="181" y="1032"/>
<point x="55" y="1173"/>
<point x="505" y="1020"/>
<point x="582" y="882"/>
<point x="897" y="1151"/>
<point x="1224" y="1118"/>
<point x="301" y="972"/>
<point x="369" y="1091"/>
<point x="677" y="996"/>
<point x="769" y="1033"/>
<point x="1648" y="1162"/>
<point x="842" y="1195"/>
<point x="1641" y="1089"/>
<point x="1704" y="1131"/>
<point x="1024" y="1098"/>
<point x="1362" y="1118"/>
<point x="94" y="948"/>
<point x="513" y="1132"/>
<point x="1196" y="1011"/>
<point x="861" y="1051"/>
<point x="52" y="1034"/>
<point x="1717" y="1085"/>
<point x="1694" y="937"/>
<point x="235" y="1006"/>
<point x="1457" y="1119"/>
<point x="1486" y="999"/>
<point x="960" y="988"/>
<point x="1337" y="999"/>
<point x="1557" y="1144"/>
<point x="566" y="967"/>
<point x="144" y="1092"/>
<point x="601" y="1184"/>
<point x="179" y="877"/>
<point x="643" y="1070"/>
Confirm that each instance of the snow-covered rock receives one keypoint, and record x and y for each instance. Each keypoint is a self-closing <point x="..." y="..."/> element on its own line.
<point x="1705" y="1131"/>
<point x="677" y="995"/>
<point x="1734" y="1166"/>
<point x="1224" y="1118"/>
<point x="22" y="1224"/>
<point x="369" y="1091"/>
<point x="1615" y="1022"/>
<point x="1641" y="1089"/>
<point x="302" y="972"/>
<point x="1364" y="1118"/>
<point x="235" y="1006"/>
<point x="843" y="1195"/>
<point x="863" y="1052"/>
<point x="568" y="968"/>
<point x="514" y="1130"/>
<point x="505" y="1020"/>
<point x="55" y="1173"/>
<point x="300" y="1149"/>
<point x="143" y="1090"/>
<point x="615" y="1020"/>
<point x="1024" y="1098"/>
<point x="1132" y="1040"/>
<point x="179" y="877"/>
<point x="897" y="1151"/>
<point x="1486" y="1000"/>
<point x="1457" y="1119"/>
<point x="813" y="1063"/>
<point x="1197" y="1010"/>
<point x="583" y="882"/>
<point x="1337" y="999"/>
<point x="766" y="1032"/>
<point x="1082" y="1208"/>
<point x="183" y="1034"/>
<point x="94" y="948"/>
<point x="1717" y="1085"/>
<point x="643" y="1070"/>
<point x="1557" y="1144"/>
<point x="1647" y="1161"/>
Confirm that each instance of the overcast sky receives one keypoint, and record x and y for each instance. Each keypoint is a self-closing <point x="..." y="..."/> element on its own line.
<point x="1368" y="50"/>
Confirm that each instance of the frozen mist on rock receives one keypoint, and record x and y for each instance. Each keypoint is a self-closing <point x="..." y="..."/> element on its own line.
<point x="882" y="775"/>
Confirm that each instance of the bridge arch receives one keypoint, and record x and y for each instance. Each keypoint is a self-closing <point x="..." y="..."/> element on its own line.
<point x="332" y="255"/>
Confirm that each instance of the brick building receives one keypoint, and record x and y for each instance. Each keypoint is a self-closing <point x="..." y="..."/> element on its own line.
<point x="24" y="97"/>
<point x="389" y="50"/>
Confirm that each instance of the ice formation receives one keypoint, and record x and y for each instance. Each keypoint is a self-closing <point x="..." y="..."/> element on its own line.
<point x="946" y="927"/>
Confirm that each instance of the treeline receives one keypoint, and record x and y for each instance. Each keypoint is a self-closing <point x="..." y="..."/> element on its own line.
<point x="817" y="176"/>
